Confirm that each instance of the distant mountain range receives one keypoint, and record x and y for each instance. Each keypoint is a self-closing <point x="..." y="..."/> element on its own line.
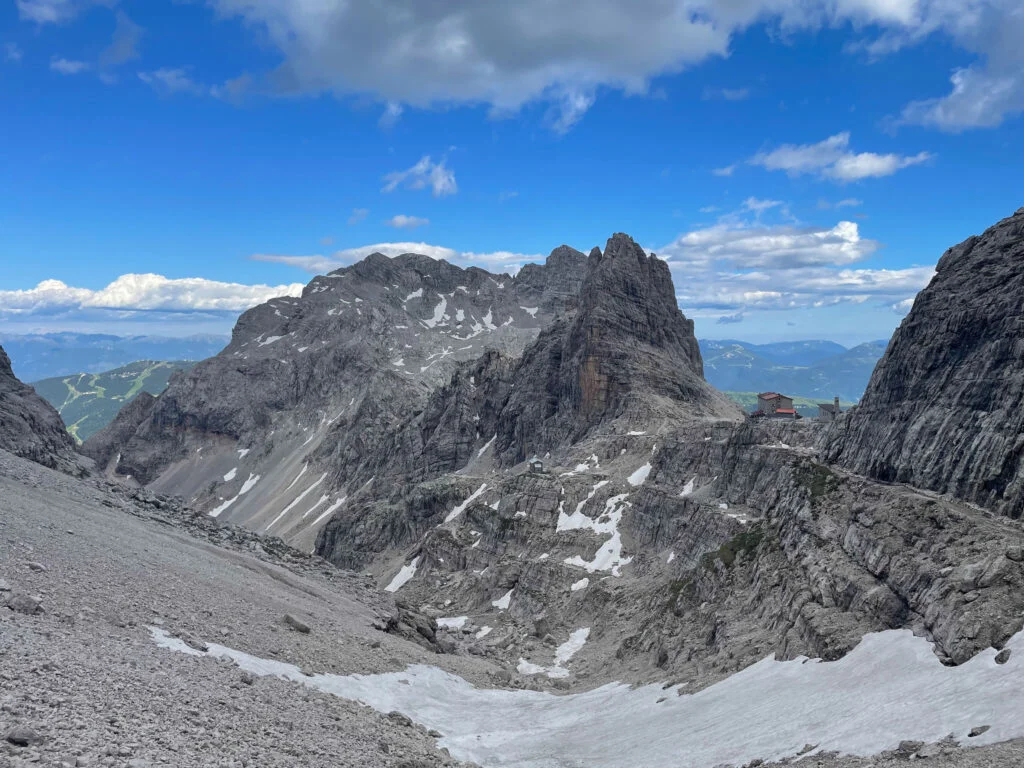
<point x="817" y="370"/>
<point x="87" y="402"/>
<point x="43" y="356"/>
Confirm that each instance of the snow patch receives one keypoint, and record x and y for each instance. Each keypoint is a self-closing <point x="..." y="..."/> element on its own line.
<point x="403" y="576"/>
<point x="531" y="311"/>
<point x="890" y="688"/>
<point x="581" y="584"/>
<point x="453" y="622"/>
<point x="231" y="475"/>
<point x="503" y="602"/>
<point x="464" y="505"/>
<point x="640" y="476"/>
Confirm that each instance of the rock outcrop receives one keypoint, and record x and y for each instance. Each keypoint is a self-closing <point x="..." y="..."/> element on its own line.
<point x="945" y="407"/>
<point x="29" y="426"/>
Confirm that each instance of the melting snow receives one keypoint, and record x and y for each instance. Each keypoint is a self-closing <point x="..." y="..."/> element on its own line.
<point x="688" y="488"/>
<point x="453" y="622"/>
<point x="609" y="555"/>
<point x="484" y="632"/>
<point x="439" y="311"/>
<point x="330" y="510"/>
<point x="640" y="476"/>
<point x="581" y="584"/>
<point x="230" y="475"/>
<point x="243" y="452"/>
<point x="503" y="602"/>
<point x="890" y="688"/>
<point x="246" y="487"/>
<point x="403" y="576"/>
<point x="417" y="294"/>
<point x="671" y="557"/>
<point x="563" y="654"/>
<point x="298" y="499"/>
<point x="531" y="311"/>
<point x="483" y="450"/>
<point x="270" y="340"/>
<point x="301" y="473"/>
<point x="464" y="505"/>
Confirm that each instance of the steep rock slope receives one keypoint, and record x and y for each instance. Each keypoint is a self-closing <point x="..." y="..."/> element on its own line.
<point x="310" y="390"/>
<point x="29" y="426"/>
<point x="626" y="354"/>
<point x="945" y="407"/>
<point x="623" y="363"/>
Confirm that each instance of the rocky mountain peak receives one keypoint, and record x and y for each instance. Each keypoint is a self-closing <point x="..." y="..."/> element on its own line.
<point x="29" y="426"/>
<point x="945" y="406"/>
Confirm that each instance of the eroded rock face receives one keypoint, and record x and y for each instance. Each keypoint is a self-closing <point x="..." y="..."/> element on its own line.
<point x="627" y="353"/>
<point x="103" y="447"/>
<point x="945" y="407"/>
<point x="29" y="426"/>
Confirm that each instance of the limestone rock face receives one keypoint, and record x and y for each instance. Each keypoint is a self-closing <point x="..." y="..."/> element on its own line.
<point x="627" y="353"/>
<point x="326" y="385"/>
<point x="103" y="446"/>
<point x="945" y="407"/>
<point x="29" y="426"/>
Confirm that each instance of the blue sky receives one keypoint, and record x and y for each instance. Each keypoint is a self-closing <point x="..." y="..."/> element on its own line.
<point x="802" y="165"/>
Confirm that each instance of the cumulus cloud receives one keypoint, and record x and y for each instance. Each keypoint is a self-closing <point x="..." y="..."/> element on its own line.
<point x="401" y="221"/>
<point x="68" y="66"/>
<point x="466" y="52"/>
<point x="730" y="319"/>
<point x="143" y="292"/>
<point x="495" y="261"/>
<point x="738" y="266"/>
<point x="423" y="174"/>
<point x="55" y="11"/>
<point x="832" y="159"/>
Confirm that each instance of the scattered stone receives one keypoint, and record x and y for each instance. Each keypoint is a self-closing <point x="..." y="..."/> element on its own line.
<point x="909" y="747"/>
<point x="297" y="624"/>
<point x="4" y="586"/>
<point x="978" y="730"/>
<point x="397" y="717"/>
<point x="1003" y="656"/>
<point x="37" y="567"/>
<point x="29" y="605"/>
<point x="1015" y="553"/>
<point x="23" y="736"/>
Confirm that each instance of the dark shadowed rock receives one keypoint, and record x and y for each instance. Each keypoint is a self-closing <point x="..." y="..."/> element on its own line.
<point x="945" y="407"/>
<point x="104" y="445"/>
<point x="29" y="426"/>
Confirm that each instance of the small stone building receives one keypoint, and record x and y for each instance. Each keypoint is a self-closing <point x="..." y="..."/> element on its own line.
<point x="774" y="404"/>
<point x="829" y="411"/>
<point x="536" y="465"/>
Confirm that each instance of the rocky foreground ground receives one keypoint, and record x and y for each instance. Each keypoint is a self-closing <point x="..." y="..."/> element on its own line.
<point x="85" y="572"/>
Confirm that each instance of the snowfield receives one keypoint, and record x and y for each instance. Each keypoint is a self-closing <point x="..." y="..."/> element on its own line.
<point x="891" y="687"/>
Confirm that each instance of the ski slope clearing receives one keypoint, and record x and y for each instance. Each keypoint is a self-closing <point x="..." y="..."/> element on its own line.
<point x="892" y="686"/>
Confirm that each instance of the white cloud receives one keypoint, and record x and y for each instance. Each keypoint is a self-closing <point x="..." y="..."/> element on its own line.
<point x="726" y="94"/>
<point x="735" y="267"/>
<point x="54" y="11"/>
<point x="448" y="52"/>
<point x="495" y="261"/>
<point x="143" y="292"/>
<point x="726" y="171"/>
<point x="849" y="202"/>
<point x="755" y="205"/>
<point x="358" y="214"/>
<point x="833" y="159"/>
<point x="423" y="174"/>
<point x="12" y="52"/>
<point x="392" y="112"/>
<point x="172" y="80"/>
<point x="401" y="221"/>
<point x="67" y="66"/>
<point x="768" y="248"/>
<point x="980" y="98"/>
<point x="124" y="45"/>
